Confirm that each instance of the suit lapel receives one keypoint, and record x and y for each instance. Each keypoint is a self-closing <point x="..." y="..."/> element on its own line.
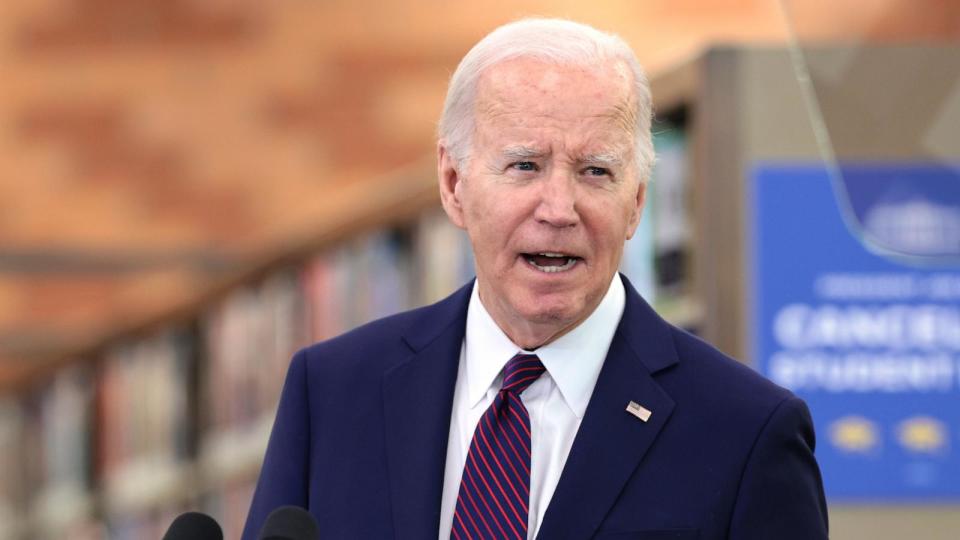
<point x="417" y="399"/>
<point x="611" y="442"/>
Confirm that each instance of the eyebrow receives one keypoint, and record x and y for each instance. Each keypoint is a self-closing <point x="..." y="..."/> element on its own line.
<point x="604" y="159"/>
<point x="521" y="152"/>
<point x="607" y="159"/>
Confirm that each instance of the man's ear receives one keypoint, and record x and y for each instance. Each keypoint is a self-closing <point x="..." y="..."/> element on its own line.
<point x="450" y="185"/>
<point x="637" y="211"/>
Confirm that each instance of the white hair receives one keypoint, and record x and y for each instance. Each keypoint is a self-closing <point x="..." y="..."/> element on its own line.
<point x="557" y="41"/>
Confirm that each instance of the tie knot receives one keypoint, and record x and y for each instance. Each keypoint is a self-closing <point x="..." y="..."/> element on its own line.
<point x="521" y="371"/>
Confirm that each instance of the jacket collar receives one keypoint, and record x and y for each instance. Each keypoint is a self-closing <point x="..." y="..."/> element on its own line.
<point x="417" y="401"/>
<point x="611" y="442"/>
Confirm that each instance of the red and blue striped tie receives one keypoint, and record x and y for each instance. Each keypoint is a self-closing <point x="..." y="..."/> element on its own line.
<point x="494" y="492"/>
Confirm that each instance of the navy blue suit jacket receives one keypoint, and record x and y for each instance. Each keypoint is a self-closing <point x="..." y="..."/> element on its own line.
<point x="361" y="434"/>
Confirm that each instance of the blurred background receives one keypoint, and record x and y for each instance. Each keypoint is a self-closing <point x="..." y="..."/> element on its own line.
<point x="190" y="190"/>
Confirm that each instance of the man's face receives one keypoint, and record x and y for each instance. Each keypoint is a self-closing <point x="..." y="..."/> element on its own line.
<point x="549" y="193"/>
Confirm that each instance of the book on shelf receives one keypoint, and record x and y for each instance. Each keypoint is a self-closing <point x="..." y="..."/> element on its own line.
<point x="248" y="339"/>
<point x="145" y="423"/>
<point x="671" y="222"/>
<point x="444" y="261"/>
<point x="656" y="259"/>
<point x="13" y="492"/>
<point x="56" y="452"/>
<point x="229" y="504"/>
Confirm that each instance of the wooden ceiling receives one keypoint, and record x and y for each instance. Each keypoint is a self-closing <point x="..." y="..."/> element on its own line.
<point x="152" y="149"/>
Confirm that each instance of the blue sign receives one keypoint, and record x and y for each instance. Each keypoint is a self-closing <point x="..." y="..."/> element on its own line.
<point x="856" y="292"/>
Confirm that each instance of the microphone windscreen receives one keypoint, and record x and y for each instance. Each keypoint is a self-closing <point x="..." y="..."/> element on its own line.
<point x="289" y="523"/>
<point x="193" y="526"/>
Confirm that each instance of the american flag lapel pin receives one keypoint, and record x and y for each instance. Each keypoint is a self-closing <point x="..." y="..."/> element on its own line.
<point x="639" y="411"/>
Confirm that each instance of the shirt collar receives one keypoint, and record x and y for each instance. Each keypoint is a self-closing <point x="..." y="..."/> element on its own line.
<point x="573" y="361"/>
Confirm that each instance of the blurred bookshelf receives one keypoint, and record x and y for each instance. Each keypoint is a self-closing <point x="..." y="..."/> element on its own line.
<point x="177" y="416"/>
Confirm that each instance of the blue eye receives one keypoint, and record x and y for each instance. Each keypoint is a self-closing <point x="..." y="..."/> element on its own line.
<point x="525" y="166"/>
<point x="597" y="171"/>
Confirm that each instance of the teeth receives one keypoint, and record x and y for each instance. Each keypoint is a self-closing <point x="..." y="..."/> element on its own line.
<point x="552" y="269"/>
<point x="549" y="254"/>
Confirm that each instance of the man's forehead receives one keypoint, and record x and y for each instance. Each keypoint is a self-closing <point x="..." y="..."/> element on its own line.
<point x="546" y="73"/>
<point x="536" y="87"/>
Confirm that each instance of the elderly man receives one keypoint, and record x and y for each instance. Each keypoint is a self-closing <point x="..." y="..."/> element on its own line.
<point x="546" y="399"/>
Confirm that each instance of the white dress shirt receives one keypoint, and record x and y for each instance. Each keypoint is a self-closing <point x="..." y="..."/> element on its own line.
<point x="556" y="401"/>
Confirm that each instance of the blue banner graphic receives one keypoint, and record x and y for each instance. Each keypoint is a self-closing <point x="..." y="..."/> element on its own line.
<point x="856" y="297"/>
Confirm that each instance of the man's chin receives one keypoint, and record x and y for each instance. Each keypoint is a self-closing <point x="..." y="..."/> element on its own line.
<point x="531" y="314"/>
<point x="542" y="327"/>
<point x="550" y="314"/>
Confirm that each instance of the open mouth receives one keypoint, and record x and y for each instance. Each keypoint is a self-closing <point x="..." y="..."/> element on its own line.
<point x="551" y="262"/>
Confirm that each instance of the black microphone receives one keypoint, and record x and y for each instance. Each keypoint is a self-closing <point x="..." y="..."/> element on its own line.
<point x="289" y="523"/>
<point x="193" y="526"/>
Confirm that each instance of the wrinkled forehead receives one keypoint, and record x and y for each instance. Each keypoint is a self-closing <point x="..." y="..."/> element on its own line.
<point x="534" y="88"/>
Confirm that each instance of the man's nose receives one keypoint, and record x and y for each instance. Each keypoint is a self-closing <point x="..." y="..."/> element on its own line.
<point x="558" y="200"/>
